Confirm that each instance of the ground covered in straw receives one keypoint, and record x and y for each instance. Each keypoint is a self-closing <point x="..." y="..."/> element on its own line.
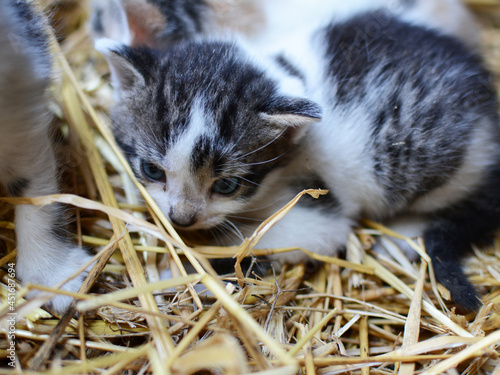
<point x="370" y="313"/>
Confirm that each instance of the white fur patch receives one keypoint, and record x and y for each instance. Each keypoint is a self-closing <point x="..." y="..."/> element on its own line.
<point x="287" y="17"/>
<point x="106" y="45"/>
<point x="178" y="158"/>
<point x="349" y="172"/>
<point x="182" y="191"/>
<point x="307" y="228"/>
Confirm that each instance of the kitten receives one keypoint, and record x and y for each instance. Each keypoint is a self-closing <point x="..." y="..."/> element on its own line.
<point x="162" y="23"/>
<point x="46" y="253"/>
<point x="398" y="120"/>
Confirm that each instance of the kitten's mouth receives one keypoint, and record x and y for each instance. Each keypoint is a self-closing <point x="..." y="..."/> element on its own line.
<point x="188" y="228"/>
<point x="198" y="225"/>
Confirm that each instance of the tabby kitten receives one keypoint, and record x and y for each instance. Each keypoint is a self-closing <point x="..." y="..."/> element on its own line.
<point x="46" y="254"/>
<point x="402" y="120"/>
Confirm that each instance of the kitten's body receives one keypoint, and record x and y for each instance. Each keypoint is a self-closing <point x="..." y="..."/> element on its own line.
<point x="46" y="255"/>
<point x="409" y="124"/>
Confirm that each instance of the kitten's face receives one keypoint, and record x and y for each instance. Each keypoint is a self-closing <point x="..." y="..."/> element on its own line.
<point x="202" y="128"/>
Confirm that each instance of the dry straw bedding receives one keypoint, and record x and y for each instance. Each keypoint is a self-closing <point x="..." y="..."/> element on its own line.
<point x="367" y="314"/>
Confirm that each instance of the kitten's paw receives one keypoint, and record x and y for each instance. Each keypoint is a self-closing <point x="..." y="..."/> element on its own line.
<point x="60" y="303"/>
<point x="52" y="272"/>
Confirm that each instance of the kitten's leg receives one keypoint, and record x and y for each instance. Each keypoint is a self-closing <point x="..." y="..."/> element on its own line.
<point x="450" y="236"/>
<point x="311" y="228"/>
<point x="46" y="254"/>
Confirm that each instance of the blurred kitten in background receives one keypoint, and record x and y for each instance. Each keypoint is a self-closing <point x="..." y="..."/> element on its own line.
<point x="46" y="253"/>
<point x="162" y="23"/>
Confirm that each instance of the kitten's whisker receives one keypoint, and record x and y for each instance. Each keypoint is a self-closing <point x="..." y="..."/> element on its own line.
<point x="218" y="231"/>
<point x="267" y="161"/>
<point x="246" y="227"/>
<point x="214" y="233"/>
<point x="235" y="229"/>
<point x="231" y="151"/>
<point x="230" y="231"/>
<point x="261" y="147"/>
<point x="244" y="218"/>
<point x="281" y="201"/>
<point x="250" y="182"/>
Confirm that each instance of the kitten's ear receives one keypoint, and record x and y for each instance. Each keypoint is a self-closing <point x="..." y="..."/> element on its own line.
<point x="124" y="74"/>
<point x="111" y="32"/>
<point x="109" y="20"/>
<point x="131" y="22"/>
<point x="146" y="21"/>
<point x="293" y="114"/>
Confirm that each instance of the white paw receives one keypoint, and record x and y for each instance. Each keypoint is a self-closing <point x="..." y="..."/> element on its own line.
<point x="52" y="271"/>
<point x="60" y="303"/>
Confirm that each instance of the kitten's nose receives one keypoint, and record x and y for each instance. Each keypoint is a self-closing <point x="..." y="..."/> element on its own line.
<point x="183" y="221"/>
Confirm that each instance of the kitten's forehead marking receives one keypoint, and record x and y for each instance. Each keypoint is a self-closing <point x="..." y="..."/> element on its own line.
<point x="178" y="156"/>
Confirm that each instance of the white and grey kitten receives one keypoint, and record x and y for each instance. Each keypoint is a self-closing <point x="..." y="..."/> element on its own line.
<point x="162" y="23"/>
<point x="392" y="120"/>
<point x="46" y="253"/>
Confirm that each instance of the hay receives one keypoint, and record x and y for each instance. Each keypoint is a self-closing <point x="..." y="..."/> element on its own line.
<point x="382" y="316"/>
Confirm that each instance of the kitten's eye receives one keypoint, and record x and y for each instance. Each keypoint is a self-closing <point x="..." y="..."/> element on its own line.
<point x="226" y="186"/>
<point x="152" y="172"/>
